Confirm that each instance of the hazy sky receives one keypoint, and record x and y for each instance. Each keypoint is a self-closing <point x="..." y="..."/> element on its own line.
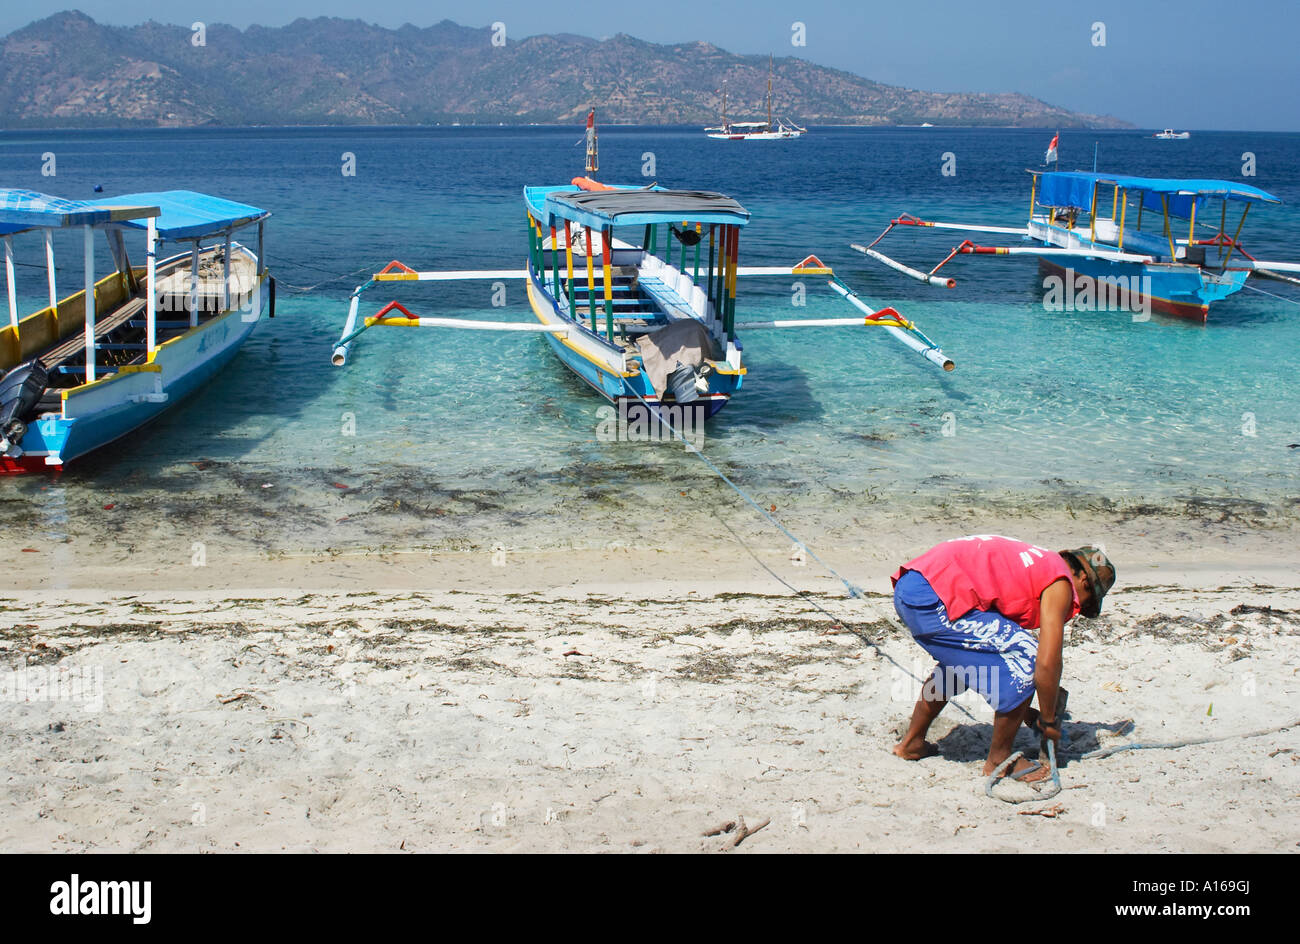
<point x="1196" y="64"/>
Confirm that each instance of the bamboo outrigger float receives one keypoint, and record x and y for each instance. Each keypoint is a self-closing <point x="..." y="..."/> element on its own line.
<point x="96" y="365"/>
<point x="646" y="324"/>
<point x="1169" y="266"/>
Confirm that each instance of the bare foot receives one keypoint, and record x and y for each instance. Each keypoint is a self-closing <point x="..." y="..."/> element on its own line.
<point x="1021" y="764"/>
<point x="910" y="751"/>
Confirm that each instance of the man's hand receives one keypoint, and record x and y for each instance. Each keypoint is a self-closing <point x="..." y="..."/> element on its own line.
<point x="1050" y="731"/>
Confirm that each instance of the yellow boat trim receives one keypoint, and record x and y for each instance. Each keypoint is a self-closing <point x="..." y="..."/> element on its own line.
<point x="139" y="369"/>
<point x="149" y="364"/>
<point x="722" y="367"/>
<point x="396" y="276"/>
<point x="603" y="365"/>
<point x="823" y="271"/>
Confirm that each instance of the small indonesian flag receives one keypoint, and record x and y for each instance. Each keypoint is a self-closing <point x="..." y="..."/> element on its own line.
<point x="1051" y="149"/>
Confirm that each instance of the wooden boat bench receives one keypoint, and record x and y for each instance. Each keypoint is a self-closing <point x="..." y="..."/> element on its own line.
<point x="76" y="344"/>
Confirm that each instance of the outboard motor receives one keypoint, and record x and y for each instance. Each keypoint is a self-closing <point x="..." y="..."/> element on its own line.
<point x="681" y="383"/>
<point x="20" y="391"/>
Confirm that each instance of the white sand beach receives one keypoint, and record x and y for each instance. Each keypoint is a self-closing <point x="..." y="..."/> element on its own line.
<point x="594" y="702"/>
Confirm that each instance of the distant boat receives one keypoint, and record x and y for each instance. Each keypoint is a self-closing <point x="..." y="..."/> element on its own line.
<point x="782" y="130"/>
<point x="1169" y="134"/>
<point x="92" y="367"/>
<point x="1169" y="265"/>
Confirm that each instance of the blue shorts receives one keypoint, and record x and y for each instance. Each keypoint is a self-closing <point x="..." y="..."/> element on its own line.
<point x="983" y="650"/>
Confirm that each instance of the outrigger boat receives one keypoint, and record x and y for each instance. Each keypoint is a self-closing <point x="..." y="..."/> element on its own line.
<point x="92" y="367"/>
<point x="1169" y="134"/>
<point x="1070" y="233"/>
<point x="782" y="130"/>
<point x="650" y="324"/>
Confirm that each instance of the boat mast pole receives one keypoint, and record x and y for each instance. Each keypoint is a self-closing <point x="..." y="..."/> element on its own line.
<point x="88" y="240"/>
<point x="593" y="164"/>
<point x="769" y="91"/>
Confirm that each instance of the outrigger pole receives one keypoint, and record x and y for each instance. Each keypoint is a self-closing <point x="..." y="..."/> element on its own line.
<point x="888" y="318"/>
<point x="967" y="247"/>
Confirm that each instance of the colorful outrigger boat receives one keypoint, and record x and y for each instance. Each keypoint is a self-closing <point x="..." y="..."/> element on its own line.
<point x="1179" y="266"/>
<point x="92" y="367"/>
<point x="634" y="289"/>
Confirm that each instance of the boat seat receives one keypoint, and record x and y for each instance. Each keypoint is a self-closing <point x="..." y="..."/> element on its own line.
<point x="75" y="344"/>
<point x="673" y="304"/>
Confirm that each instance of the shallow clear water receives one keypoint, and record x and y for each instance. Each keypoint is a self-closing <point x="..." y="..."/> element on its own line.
<point x="460" y="434"/>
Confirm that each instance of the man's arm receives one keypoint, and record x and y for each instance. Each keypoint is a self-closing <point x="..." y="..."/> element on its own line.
<point x="1054" y="608"/>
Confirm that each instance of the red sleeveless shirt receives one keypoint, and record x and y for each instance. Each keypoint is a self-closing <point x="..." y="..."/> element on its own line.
<point x="990" y="572"/>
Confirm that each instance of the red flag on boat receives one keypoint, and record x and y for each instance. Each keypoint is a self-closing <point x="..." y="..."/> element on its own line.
<point x="1051" y="149"/>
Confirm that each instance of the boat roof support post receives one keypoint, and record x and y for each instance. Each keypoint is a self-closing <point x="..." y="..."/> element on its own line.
<point x="194" y="284"/>
<point x="1092" y="225"/>
<point x="555" y="262"/>
<point x="225" y="281"/>
<point x="150" y="296"/>
<point x="1123" y="212"/>
<point x="10" y="287"/>
<point x="1033" y="191"/>
<point x="1114" y="204"/>
<point x="606" y="238"/>
<point x="734" y="255"/>
<point x="591" y="282"/>
<point x="568" y="259"/>
<point x="1191" y="224"/>
<point x="696" y="277"/>
<point x="261" y="243"/>
<point x="708" y="294"/>
<point x="88" y="239"/>
<point x="49" y="273"/>
<point x="1237" y="235"/>
<point x="1169" y="233"/>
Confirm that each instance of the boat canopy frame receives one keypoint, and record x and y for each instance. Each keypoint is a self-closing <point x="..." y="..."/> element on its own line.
<point x="178" y="215"/>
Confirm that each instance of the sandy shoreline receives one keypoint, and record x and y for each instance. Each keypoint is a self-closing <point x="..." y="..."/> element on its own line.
<point x="554" y="705"/>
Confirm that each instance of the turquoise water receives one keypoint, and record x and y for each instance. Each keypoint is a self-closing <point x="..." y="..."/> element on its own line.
<point x="459" y="435"/>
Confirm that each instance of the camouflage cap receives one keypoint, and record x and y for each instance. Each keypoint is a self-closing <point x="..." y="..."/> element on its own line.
<point x="1098" y="570"/>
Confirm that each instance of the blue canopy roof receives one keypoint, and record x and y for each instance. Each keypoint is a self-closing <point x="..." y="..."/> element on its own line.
<point x="634" y="206"/>
<point x="189" y="215"/>
<point x="1074" y="189"/>
<point x="29" y="209"/>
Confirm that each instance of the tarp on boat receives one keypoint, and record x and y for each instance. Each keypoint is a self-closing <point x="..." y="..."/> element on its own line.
<point x="643" y="206"/>
<point x="28" y="209"/>
<point x="190" y="215"/>
<point x="685" y="341"/>
<point x="1074" y="189"/>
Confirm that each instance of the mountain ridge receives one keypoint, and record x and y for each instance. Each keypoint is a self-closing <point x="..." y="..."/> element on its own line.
<point x="67" y="70"/>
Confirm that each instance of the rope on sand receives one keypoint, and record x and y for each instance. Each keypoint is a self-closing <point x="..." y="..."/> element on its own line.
<point x="1175" y="745"/>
